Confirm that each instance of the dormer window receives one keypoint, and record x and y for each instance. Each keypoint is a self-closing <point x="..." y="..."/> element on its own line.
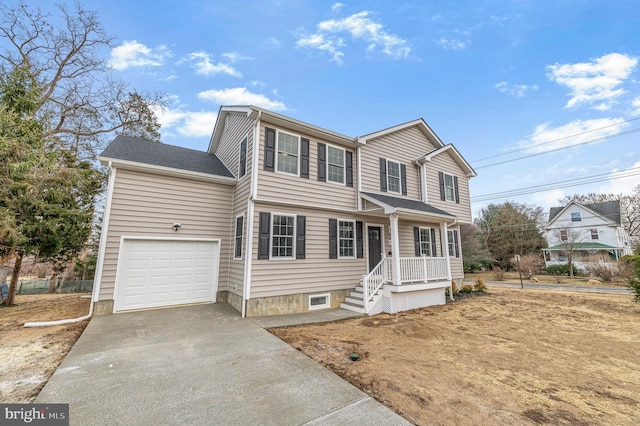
<point x="576" y="217"/>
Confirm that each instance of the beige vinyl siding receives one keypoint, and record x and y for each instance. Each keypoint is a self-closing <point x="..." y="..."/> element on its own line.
<point x="402" y="146"/>
<point x="445" y="163"/>
<point x="281" y="187"/>
<point x="315" y="273"/>
<point x="148" y="204"/>
<point x="237" y="127"/>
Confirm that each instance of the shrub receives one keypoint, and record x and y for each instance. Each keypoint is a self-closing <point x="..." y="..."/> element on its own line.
<point x="498" y="273"/>
<point x="531" y="264"/>
<point x="455" y="288"/>
<point x="471" y="267"/>
<point x="634" y="285"/>
<point x="480" y="286"/>
<point x="466" y="288"/>
<point x="603" y="270"/>
<point x="562" y="269"/>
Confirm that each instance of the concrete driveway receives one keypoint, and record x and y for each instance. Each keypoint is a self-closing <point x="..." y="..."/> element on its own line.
<point x="200" y="365"/>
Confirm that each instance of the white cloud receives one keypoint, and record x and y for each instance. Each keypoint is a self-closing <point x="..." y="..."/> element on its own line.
<point x="548" y="199"/>
<point x="545" y="138"/>
<point x="336" y="7"/>
<point x="358" y="26"/>
<point x="235" y="57"/>
<point x="203" y="65"/>
<point x="186" y="123"/>
<point x="622" y="182"/>
<point x="453" y="44"/>
<point x="133" y="54"/>
<point x="636" y="106"/>
<point x="517" y="90"/>
<point x="594" y="83"/>
<point x="241" y="96"/>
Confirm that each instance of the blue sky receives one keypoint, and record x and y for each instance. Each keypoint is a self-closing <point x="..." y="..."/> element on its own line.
<point x="488" y="76"/>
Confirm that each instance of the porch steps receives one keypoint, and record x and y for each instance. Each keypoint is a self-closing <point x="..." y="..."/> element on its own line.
<point x="355" y="301"/>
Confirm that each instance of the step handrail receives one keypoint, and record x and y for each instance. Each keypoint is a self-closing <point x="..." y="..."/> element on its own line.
<point x="373" y="281"/>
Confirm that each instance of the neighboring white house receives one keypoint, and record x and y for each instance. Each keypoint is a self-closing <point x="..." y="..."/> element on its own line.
<point x="593" y="232"/>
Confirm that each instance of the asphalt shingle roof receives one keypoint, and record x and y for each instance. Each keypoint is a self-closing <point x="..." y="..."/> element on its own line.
<point x="158" y="154"/>
<point x="608" y="209"/>
<point x="403" y="203"/>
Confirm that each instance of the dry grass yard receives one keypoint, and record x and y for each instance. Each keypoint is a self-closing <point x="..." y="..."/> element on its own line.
<point x="509" y="357"/>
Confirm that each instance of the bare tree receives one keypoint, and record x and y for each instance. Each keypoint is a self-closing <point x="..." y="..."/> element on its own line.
<point x="80" y="100"/>
<point x="569" y="240"/>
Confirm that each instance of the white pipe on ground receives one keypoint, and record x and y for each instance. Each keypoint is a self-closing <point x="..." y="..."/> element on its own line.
<point x="61" y="322"/>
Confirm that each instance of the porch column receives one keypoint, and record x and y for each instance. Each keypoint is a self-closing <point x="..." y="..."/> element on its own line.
<point x="395" y="249"/>
<point x="445" y="248"/>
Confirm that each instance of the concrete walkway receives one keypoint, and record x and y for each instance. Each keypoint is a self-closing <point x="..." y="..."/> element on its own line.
<point x="200" y="365"/>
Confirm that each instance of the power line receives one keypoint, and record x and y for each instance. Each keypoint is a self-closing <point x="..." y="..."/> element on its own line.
<point x="634" y="171"/>
<point x="555" y="140"/>
<point x="628" y="132"/>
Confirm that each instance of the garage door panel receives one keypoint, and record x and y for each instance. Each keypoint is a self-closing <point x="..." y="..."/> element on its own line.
<point x="162" y="273"/>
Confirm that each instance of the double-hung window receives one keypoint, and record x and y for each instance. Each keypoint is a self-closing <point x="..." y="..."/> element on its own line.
<point x="449" y="188"/>
<point x="335" y="164"/>
<point x="425" y="242"/>
<point x="563" y="235"/>
<point x="346" y="238"/>
<point x="237" y="250"/>
<point x="288" y="149"/>
<point x="282" y="236"/>
<point x="594" y="233"/>
<point x="242" y="166"/>
<point x="576" y="217"/>
<point x="393" y="177"/>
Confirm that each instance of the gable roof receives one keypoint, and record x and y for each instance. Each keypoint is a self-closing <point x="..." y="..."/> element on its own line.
<point x="608" y="209"/>
<point x="454" y="153"/>
<point x="393" y="204"/>
<point x="136" y="151"/>
<point x="419" y="123"/>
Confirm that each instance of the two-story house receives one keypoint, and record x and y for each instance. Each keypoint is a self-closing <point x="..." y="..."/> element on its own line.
<point x="281" y="216"/>
<point x="589" y="232"/>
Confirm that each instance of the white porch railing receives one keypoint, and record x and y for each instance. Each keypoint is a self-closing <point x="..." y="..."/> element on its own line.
<point x="412" y="269"/>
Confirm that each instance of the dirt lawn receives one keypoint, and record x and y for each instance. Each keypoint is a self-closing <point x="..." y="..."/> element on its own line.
<point x="29" y="356"/>
<point x="509" y="357"/>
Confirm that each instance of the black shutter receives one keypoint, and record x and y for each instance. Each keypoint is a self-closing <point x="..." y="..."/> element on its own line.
<point x="322" y="162"/>
<point x="269" y="149"/>
<point x="383" y="174"/>
<point x="304" y="158"/>
<point x="301" y="237"/>
<point x="416" y="241"/>
<point x="333" y="238"/>
<point x="348" y="157"/>
<point x="403" y="178"/>
<point x="441" y="180"/>
<point x="434" y="246"/>
<point x="359" y="240"/>
<point x="455" y="187"/>
<point x="455" y="243"/>
<point x="264" y="234"/>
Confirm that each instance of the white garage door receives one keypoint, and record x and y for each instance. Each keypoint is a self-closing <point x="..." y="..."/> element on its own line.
<point x="153" y="273"/>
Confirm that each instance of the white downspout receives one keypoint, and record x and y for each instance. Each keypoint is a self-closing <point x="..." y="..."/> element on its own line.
<point x="246" y="288"/>
<point x="423" y="182"/>
<point x="445" y="248"/>
<point x="101" y="249"/>
<point x="358" y="162"/>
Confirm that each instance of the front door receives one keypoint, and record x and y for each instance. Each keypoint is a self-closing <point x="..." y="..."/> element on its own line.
<point x="374" y="247"/>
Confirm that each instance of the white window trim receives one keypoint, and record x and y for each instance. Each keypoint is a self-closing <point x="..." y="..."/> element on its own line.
<point x="452" y="244"/>
<point x="579" y="217"/>
<point x="246" y="157"/>
<point x="278" y="131"/>
<point x="295" y="230"/>
<point x="323" y="306"/>
<point x="430" y="242"/>
<point x="596" y="233"/>
<point x="453" y="187"/>
<point x="344" y="165"/>
<point x="355" y="239"/>
<point x="390" y="160"/>
<point x="235" y="237"/>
